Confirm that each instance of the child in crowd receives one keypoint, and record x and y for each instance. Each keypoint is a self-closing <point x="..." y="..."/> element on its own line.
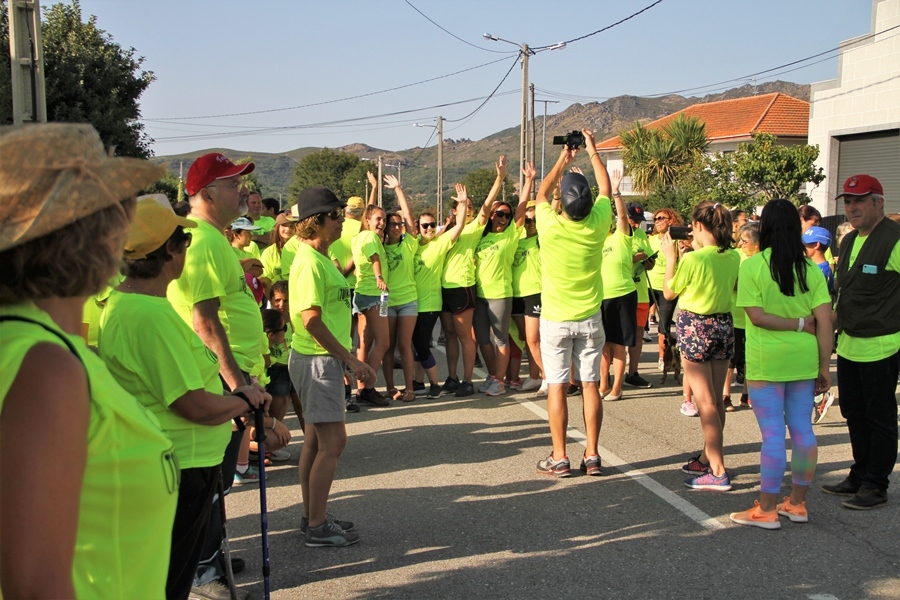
<point x="817" y="240"/>
<point x="278" y="299"/>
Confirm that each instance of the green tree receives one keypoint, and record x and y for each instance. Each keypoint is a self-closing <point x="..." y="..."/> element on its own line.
<point x="249" y="180"/>
<point x="335" y="170"/>
<point x="654" y="157"/>
<point x="777" y="171"/>
<point x="479" y="183"/>
<point x="169" y="185"/>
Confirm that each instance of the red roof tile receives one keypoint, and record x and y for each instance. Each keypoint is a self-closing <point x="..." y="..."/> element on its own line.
<point x="775" y="113"/>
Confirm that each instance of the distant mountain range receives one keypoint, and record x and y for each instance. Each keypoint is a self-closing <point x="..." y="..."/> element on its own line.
<point x="419" y="175"/>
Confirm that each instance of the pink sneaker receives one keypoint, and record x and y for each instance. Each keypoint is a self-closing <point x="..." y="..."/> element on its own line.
<point x="688" y="409"/>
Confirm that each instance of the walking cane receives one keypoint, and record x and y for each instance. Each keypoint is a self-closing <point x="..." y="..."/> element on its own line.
<point x="263" y="516"/>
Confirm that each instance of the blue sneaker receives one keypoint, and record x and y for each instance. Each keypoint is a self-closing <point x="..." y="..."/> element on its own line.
<point x="251" y="475"/>
<point x="709" y="482"/>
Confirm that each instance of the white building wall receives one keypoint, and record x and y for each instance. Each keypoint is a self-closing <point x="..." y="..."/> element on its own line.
<point x="865" y="97"/>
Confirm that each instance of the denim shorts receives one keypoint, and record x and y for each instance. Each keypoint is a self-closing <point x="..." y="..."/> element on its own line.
<point x="702" y="338"/>
<point x="279" y="380"/>
<point x="362" y="302"/>
<point x="410" y="309"/>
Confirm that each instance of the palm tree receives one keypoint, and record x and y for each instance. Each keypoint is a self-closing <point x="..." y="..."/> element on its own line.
<point x="653" y="157"/>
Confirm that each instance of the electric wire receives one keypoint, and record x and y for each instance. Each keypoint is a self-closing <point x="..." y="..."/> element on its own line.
<point x="454" y="35"/>
<point x="480" y="106"/>
<point x="608" y="27"/>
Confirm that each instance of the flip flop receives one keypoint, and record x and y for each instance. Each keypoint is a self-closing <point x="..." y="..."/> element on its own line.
<point x="408" y="396"/>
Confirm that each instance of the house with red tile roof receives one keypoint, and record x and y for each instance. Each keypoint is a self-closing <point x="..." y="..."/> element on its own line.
<point x="729" y="123"/>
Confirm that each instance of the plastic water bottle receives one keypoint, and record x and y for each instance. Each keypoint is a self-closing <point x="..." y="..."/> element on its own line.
<point x="383" y="304"/>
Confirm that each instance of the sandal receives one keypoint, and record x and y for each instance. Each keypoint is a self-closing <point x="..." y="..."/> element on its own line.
<point x="408" y="396"/>
<point x="394" y="393"/>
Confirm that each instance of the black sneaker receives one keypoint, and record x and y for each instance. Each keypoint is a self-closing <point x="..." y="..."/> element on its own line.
<point x="637" y="381"/>
<point x="237" y="564"/>
<point x="591" y="465"/>
<point x="844" y="488"/>
<point x="465" y="389"/>
<point x="419" y="388"/>
<point x="345" y="525"/>
<point x="352" y="406"/>
<point x="573" y="390"/>
<point x="866" y="498"/>
<point x="554" y="468"/>
<point x="451" y="385"/>
<point x="329" y="533"/>
<point x="478" y="362"/>
<point x="370" y="396"/>
<point x="434" y="391"/>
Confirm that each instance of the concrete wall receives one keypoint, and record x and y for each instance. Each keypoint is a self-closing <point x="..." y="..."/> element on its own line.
<point x="865" y="97"/>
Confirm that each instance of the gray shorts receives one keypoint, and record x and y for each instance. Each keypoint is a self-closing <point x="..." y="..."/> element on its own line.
<point x="491" y="321"/>
<point x="319" y="381"/>
<point x="563" y="343"/>
<point x="410" y="309"/>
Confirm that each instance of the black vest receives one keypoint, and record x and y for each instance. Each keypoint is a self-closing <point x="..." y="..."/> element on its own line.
<point x="868" y="302"/>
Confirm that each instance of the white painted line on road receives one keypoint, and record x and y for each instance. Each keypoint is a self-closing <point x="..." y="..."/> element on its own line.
<point x="668" y="496"/>
<point x="822" y="597"/>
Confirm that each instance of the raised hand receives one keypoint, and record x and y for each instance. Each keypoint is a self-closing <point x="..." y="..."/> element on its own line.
<point x="391" y="182"/>
<point x="373" y="181"/>
<point x="589" y="144"/>
<point x="529" y="171"/>
<point x="616" y="178"/>
<point x="502" y="168"/>
<point x="576" y="170"/>
<point x="461" y="194"/>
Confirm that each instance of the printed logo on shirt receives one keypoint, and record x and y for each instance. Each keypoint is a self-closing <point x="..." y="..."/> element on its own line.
<point x="344" y="296"/>
<point x="418" y="264"/>
<point x="394" y="260"/>
<point x="212" y="356"/>
<point x="519" y="258"/>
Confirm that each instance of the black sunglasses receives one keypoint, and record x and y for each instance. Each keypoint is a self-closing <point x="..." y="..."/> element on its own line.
<point x="277" y="330"/>
<point x="336" y="214"/>
<point x="661" y="218"/>
<point x="396" y="223"/>
<point x="529" y="221"/>
<point x="428" y="225"/>
<point x="502" y="214"/>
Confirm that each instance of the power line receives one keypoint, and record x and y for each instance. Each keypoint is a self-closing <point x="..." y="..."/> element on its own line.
<point x="271" y="110"/>
<point x="515" y="62"/>
<point x="645" y="9"/>
<point x="454" y="35"/>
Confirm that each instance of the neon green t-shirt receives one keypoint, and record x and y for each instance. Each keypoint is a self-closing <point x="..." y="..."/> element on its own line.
<point x="428" y="266"/>
<point x="242" y="254"/>
<point x="93" y="309"/>
<point x="738" y="314"/>
<point x="279" y="353"/>
<point x="873" y="348"/>
<point x="459" y="268"/>
<point x="271" y="260"/>
<point x="265" y="224"/>
<point x="341" y="249"/>
<point x="365" y="245"/>
<point x="400" y="263"/>
<point x="658" y="272"/>
<point x="493" y="263"/>
<point x="572" y="289"/>
<point x="704" y="280"/>
<point x="157" y="365"/>
<point x="211" y="270"/>
<point x="288" y="251"/>
<point x="780" y="355"/>
<point x="616" y="268"/>
<point x="526" y="269"/>
<point x="130" y="485"/>
<point x="640" y="243"/>
<point x="315" y="281"/>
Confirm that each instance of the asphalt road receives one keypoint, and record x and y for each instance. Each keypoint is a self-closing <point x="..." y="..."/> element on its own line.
<point x="449" y="505"/>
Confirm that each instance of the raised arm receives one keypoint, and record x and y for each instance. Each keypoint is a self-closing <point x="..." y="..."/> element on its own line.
<point x="495" y="191"/>
<point x="600" y="174"/>
<point x="373" y="188"/>
<point x="622" y="223"/>
<point x="530" y="174"/>
<point x="455" y="231"/>
<point x="394" y="184"/>
<point x="551" y="182"/>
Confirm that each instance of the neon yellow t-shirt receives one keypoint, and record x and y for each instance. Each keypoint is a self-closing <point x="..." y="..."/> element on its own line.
<point x="780" y="355"/>
<point x="288" y="251"/>
<point x="315" y="281"/>
<point x="365" y="245"/>
<point x="459" y="268"/>
<point x="159" y="364"/>
<point x="242" y="254"/>
<point x="738" y="314"/>
<point x="704" y="280"/>
<point x="265" y="224"/>
<point x="341" y="249"/>
<point x="493" y="263"/>
<point x="271" y="260"/>
<point x="572" y="289"/>
<point x="526" y="269"/>
<point x="640" y="243"/>
<point x="873" y="348"/>
<point x="428" y="266"/>
<point x="130" y="486"/>
<point x="400" y="264"/>
<point x="616" y="268"/>
<point x="658" y="273"/>
<point x="93" y="309"/>
<point x="212" y="271"/>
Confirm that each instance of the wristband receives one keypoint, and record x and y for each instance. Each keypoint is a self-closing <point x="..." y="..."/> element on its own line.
<point x="802" y="323"/>
<point x="379" y="277"/>
<point x="245" y="398"/>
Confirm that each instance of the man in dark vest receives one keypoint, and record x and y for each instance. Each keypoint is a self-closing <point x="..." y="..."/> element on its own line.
<point x="868" y="319"/>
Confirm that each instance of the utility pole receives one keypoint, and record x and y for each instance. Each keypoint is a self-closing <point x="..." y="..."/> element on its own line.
<point x="523" y="145"/>
<point x="27" y="61"/>
<point x="440" y="172"/>
<point x="380" y="177"/>
<point x="544" y="133"/>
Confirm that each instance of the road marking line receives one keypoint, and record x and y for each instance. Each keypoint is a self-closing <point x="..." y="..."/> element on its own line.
<point x="665" y="494"/>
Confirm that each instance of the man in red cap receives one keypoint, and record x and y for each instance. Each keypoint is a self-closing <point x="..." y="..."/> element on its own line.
<point x="868" y="319"/>
<point x="212" y="296"/>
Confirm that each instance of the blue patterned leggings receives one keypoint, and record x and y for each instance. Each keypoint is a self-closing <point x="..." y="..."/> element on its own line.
<point x="776" y="404"/>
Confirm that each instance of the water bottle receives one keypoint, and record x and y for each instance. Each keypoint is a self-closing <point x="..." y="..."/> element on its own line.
<point x="383" y="304"/>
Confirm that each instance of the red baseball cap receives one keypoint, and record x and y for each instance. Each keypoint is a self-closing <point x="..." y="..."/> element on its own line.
<point x="210" y="167"/>
<point x="861" y="185"/>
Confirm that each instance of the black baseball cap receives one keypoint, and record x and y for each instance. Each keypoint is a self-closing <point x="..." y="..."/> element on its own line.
<point x="315" y="200"/>
<point x="576" y="199"/>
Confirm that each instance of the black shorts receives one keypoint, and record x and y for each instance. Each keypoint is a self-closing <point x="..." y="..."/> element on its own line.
<point x="518" y="307"/>
<point x="532" y="305"/>
<point x="279" y="380"/>
<point x="620" y="320"/>
<point x="740" y="343"/>
<point x="457" y="300"/>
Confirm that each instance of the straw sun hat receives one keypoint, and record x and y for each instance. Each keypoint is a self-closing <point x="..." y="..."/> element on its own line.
<point x="54" y="174"/>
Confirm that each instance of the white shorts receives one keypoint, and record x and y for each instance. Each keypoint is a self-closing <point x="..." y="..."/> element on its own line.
<point x="563" y="343"/>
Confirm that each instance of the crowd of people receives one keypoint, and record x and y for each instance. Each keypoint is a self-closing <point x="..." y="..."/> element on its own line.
<point x="222" y="314"/>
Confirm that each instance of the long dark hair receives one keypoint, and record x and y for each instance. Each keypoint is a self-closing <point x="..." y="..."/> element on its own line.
<point x="779" y="229"/>
<point x="489" y="226"/>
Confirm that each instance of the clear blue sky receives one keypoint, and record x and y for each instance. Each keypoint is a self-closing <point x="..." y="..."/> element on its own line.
<point x="215" y="57"/>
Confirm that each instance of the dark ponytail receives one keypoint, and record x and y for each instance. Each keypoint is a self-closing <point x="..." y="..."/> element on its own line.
<point x="717" y="219"/>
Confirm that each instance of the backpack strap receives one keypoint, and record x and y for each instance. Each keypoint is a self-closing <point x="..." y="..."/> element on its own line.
<point x="59" y="335"/>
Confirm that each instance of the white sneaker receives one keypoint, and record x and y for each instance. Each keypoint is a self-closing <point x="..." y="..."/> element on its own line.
<point x="486" y="384"/>
<point x="543" y="389"/>
<point x="661" y="366"/>
<point x="497" y="388"/>
<point x="279" y="456"/>
<point x="688" y="409"/>
<point x="647" y="337"/>
<point x="530" y="384"/>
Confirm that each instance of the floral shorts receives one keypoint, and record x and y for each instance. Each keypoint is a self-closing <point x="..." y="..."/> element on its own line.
<point x="702" y="338"/>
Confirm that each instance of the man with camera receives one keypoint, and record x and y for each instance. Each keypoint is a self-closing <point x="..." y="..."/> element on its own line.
<point x="571" y="326"/>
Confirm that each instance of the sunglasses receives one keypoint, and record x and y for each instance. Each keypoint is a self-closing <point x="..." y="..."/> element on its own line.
<point x="336" y="214"/>
<point x="274" y="331"/>
<point x="396" y="223"/>
<point x="502" y="214"/>
<point x="427" y="225"/>
<point x="529" y="221"/>
<point x="661" y="219"/>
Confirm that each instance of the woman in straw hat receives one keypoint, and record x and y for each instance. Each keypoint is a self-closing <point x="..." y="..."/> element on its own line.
<point x="92" y="505"/>
<point x="173" y="374"/>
